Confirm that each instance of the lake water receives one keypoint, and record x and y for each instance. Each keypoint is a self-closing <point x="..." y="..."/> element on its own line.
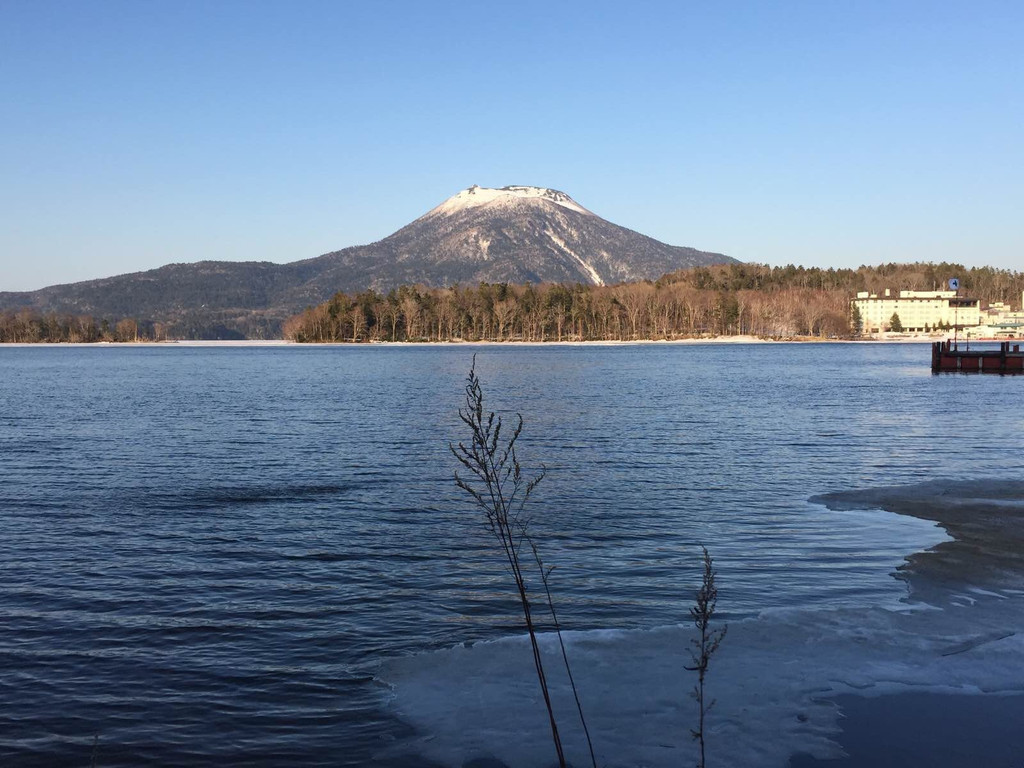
<point x="257" y="556"/>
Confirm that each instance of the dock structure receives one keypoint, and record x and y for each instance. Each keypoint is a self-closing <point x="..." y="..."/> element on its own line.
<point x="948" y="358"/>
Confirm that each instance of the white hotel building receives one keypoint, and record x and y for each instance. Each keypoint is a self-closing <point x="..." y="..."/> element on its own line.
<point x="918" y="311"/>
<point x="1000" y="321"/>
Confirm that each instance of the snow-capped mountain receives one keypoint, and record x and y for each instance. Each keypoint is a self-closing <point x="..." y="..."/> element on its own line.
<point x="477" y="196"/>
<point x="514" y="234"/>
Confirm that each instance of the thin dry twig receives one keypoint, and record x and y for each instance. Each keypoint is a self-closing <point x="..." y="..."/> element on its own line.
<point x="704" y="647"/>
<point x="497" y="485"/>
<point x="545" y="574"/>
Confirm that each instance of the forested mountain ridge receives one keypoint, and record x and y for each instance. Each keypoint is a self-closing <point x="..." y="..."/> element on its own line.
<point x="988" y="284"/>
<point x="513" y="234"/>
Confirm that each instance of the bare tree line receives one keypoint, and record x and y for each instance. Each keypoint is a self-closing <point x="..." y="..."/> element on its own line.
<point x="733" y="299"/>
<point x="29" y="326"/>
<point x="723" y="300"/>
<point x="570" y="313"/>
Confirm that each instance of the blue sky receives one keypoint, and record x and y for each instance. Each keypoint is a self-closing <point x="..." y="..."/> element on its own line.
<point x="134" y="134"/>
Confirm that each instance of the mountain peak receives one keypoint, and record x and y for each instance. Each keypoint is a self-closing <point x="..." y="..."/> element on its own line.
<point x="476" y="196"/>
<point x="516" y="234"/>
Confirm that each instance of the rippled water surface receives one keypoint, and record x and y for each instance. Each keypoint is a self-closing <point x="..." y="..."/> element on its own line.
<point x="207" y="553"/>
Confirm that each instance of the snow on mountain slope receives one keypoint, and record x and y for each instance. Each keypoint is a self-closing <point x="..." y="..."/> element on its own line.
<point x="515" y="234"/>
<point x="477" y="196"/>
<point x="595" y="278"/>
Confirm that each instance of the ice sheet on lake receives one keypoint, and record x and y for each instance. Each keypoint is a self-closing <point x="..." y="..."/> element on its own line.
<point x="936" y="493"/>
<point x="772" y="678"/>
<point x="984" y="517"/>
